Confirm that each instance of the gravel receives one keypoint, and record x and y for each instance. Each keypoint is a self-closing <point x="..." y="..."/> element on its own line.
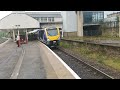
<point x="82" y="70"/>
<point x="108" y="70"/>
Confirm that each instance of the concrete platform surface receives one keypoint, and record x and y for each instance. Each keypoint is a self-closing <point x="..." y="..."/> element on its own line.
<point x="60" y="68"/>
<point x="32" y="61"/>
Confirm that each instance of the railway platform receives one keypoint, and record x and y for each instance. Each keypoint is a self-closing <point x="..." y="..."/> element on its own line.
<point x="32" y="61"/>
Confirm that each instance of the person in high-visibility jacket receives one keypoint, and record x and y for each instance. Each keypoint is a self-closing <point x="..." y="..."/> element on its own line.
<point x="18" y="40"/>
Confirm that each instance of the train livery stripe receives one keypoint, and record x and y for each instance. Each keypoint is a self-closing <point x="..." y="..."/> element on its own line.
<point x="70" y="70"/>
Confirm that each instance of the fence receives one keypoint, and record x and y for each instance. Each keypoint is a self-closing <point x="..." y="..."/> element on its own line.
<point x="4" y="34"/>
<point x="103" y="29"/>
<point x="110" y="28"/>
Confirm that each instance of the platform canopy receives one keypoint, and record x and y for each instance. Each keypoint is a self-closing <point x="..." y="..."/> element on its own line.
<point x="18" y="20"/>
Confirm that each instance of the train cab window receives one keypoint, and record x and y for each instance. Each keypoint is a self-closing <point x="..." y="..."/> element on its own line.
<point x="52" y="32"/>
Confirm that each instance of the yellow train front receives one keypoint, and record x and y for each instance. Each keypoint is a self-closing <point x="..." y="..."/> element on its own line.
<point x="49" y="36"/>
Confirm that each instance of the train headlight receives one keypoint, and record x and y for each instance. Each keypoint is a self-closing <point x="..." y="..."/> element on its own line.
<point x="48" y="39"/>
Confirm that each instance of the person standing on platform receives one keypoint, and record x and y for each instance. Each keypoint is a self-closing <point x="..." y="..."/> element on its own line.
<point x="18" y="40"/>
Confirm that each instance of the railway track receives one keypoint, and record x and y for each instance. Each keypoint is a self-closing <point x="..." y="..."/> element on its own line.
<point x="83" y="69"/>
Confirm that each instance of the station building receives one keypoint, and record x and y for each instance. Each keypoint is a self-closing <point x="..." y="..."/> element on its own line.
<point x="47" y="19"/>
<point x="112" y="19"/>
<point x="72" y="23"/>
<point x="92" y="22"/>
<point x="18" y="23"/>
<point x="82" y="23"/>
<point x="22" y="22"/>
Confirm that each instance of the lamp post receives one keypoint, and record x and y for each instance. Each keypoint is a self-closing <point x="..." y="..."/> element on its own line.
<point x="18" y="36"/>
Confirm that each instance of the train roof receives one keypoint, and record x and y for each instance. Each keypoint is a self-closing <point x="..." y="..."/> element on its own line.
<point x="34" y="31"/>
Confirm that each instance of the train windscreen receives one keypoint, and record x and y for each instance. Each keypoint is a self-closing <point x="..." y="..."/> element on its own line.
<point x="52" y="32"/>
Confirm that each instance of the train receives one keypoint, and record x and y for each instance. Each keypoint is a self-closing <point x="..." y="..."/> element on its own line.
<point x="49" y="36"/>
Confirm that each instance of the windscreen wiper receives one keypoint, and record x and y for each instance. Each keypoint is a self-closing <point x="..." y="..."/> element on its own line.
<point x="49" y="34"/>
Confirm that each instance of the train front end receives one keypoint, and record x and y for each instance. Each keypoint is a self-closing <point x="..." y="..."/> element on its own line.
<point x="53" y="37"/>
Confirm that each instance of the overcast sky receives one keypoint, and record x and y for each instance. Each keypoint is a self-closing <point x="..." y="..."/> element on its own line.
<point x="5" y="13"/>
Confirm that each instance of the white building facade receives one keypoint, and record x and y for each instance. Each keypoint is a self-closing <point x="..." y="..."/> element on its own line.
<point x="72" y="23"/>
<point x="47" y="19"/>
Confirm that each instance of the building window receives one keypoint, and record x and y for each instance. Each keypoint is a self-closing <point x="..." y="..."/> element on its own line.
<point x="43" y="19"/>
<point x="93" y="17"/>
<point x="100" y="16"/>
<point x="50" y="19"/>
